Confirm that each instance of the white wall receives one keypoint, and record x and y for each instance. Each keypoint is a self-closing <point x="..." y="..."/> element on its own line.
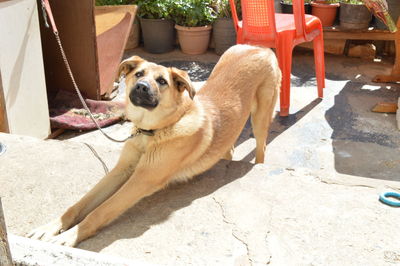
<point x="21" y="67"/>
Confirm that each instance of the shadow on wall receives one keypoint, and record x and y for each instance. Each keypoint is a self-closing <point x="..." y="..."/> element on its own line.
<point x="364" y="143"/>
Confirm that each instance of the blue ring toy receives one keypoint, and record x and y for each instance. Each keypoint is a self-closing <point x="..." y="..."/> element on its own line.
<point x="384" y="198"/>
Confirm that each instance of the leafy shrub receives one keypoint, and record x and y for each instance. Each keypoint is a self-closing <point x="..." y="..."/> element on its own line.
<point x="113" y="2"/>
<point x="155" y="9"/>
<point x="223" y="8"/>
<point x="353" y="2"/>
<point x="193" y="13"/>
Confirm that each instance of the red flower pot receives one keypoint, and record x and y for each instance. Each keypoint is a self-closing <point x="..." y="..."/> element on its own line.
<point x="325" y="12"/>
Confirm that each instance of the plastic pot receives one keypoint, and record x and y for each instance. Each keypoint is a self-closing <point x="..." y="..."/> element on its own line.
<point x="158" y="35"/>
<point x="288" y="8"/>
<point x="354" y="17"/>
<point x="224" y="34"/>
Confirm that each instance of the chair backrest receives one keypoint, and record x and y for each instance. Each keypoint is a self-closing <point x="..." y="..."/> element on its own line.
<point x="258" y="20"/>
<point x="299" y="17"/>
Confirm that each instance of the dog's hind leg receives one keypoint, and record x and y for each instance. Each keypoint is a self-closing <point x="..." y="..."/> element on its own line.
<point x="262" y="111"/>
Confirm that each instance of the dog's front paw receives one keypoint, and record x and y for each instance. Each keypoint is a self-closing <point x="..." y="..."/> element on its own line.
<point x="68" y="238"/>
<point x="47" y="231"/>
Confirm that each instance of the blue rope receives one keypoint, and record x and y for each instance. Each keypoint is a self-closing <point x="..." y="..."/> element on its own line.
<point x="384" y="198"/>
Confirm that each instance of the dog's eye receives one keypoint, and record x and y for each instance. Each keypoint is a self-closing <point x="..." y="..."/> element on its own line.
<point x="139" y="74"/>
<point x="161" y="81"/>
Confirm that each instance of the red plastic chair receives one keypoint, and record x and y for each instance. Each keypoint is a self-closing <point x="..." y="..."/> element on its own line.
<point x="262" y="26"/>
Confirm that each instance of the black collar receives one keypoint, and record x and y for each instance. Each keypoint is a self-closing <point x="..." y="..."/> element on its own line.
<point x="140" y="131"/>
<point x="145" y="131"/>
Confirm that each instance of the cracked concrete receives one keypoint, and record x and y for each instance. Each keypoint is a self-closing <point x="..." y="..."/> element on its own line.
<point x="314" y="202"/>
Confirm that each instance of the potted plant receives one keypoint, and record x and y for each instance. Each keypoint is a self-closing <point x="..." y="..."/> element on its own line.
<point x="157" y="26"/>
<point x="325" y="10"/>
<point x="287" y="6"/>
<point x="118" y="6"/>
<point x="224" y="33"/>
<point x="354" y="15"/>
<point x="193" y="20"/>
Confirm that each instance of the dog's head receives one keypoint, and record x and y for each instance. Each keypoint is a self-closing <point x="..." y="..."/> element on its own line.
<point x="152" y="88"/>
<point x="149" y="84"/>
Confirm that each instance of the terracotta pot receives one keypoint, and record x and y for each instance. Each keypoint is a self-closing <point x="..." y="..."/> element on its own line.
<point x="325" y="12"/>
<point x="194" y="40"/>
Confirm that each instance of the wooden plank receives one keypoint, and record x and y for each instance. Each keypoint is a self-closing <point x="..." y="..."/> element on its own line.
<point x="370" y="34"/>
<point x="3" y="112"/>
<point x="56" y="133"/>
<point x="395" y="73"/>
<point x="5" y="255"/>
<point x="76" y="25"/>
<point x="385" y="108"/>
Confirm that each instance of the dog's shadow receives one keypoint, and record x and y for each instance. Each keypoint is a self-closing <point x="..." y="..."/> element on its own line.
<point x="157" y="208"/>
<point x="278" y="126"/>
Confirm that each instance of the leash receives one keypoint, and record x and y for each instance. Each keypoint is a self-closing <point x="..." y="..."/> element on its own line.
<point x="46" y="10"/>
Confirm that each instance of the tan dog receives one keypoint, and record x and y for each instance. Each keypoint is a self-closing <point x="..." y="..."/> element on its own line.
<point x="180" y="135"/>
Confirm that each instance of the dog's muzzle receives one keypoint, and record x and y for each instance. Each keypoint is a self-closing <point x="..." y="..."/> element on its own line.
<point x="143" y="95"/>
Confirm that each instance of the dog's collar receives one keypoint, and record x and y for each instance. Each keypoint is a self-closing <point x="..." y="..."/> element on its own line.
<point x="140" y="131"/>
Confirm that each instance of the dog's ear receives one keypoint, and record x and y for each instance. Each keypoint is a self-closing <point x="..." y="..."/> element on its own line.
<point x="182" y="81"/>
<point x="128" y="65"/>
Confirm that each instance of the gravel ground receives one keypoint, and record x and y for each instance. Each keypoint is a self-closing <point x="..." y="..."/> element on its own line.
<point x="197" y="71"/>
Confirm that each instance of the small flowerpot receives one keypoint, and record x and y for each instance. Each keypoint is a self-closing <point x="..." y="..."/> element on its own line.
<point x="325" y="12"/>
<point x="224" y="34"/>
<point x="288" y="8"/>
<point x="194" y="40"/>
<point x="354" y="17"/>
<point x="158" y="35"/>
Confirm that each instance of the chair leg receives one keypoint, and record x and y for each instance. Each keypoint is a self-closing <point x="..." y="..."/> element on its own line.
<point x="319" y="63"/>
<point x="284" y="54"/>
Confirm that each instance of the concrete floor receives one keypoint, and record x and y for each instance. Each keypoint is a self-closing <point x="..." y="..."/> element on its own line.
<point x="314" y="201"/>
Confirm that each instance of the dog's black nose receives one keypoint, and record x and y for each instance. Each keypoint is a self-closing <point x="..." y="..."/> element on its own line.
<point x="142" y="95"/>
<point x="142" y="86"/>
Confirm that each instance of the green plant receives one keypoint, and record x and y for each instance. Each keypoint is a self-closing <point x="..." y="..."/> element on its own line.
<point x="326" y="1"/>
<point x="353" y="2"/>
<point x="155" y="9"/>
<point x="193" y="13"/>
<point x="223" y="8"/>
<point x="113" y="2"/>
